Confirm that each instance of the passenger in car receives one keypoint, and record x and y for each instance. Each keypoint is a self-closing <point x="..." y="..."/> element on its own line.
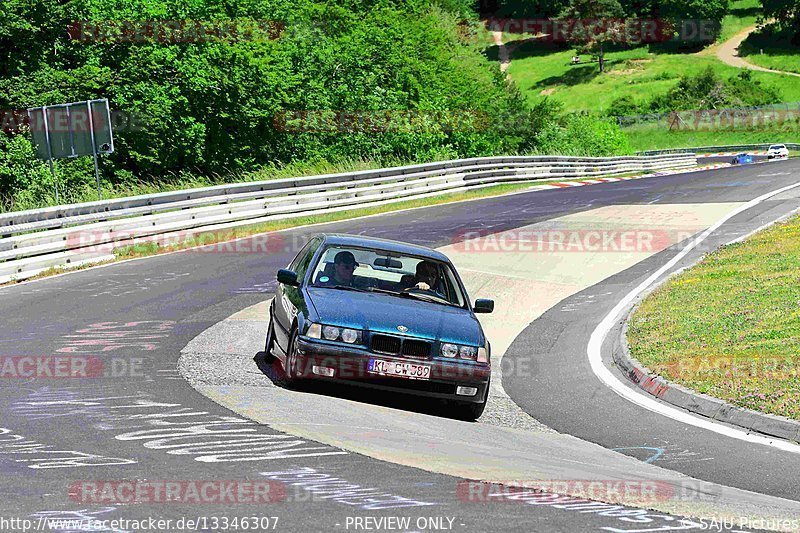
<point x="425" y="279"/>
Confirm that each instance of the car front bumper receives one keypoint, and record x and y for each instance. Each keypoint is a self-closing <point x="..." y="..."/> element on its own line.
<point x="349" y="364"/>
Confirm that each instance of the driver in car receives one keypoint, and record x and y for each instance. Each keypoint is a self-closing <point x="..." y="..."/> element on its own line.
<point x="425" y="279"/>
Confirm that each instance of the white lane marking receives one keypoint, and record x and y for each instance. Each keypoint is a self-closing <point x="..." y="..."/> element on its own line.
<point x="593" y="349"/>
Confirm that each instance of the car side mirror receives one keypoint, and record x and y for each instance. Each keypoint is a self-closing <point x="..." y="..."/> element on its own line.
<point x="288" y="277"/>
<point x="483" y="306"/>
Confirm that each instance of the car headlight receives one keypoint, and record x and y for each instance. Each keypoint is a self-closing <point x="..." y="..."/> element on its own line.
<point x="449" y="350"/>
<point x="330" y="333"/>
<point x="350" y="335"/>
<point x="334" y="333"/>
<point x="468" y="352"/>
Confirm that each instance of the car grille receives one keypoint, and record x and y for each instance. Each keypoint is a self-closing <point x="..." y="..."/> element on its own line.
<point x="389" y="344"/>
<point x="386" y="344"/>
<point x="413" y="348"/>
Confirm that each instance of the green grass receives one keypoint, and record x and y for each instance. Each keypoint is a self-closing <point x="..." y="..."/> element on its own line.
<point x="778" y="52"/>
<point x="653" y="138"/>
<point x="741" y="14"/>
<point x="540" y="71"/>
<point x="730" y="326"/>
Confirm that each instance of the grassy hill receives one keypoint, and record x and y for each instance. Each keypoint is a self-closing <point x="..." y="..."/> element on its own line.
<point x="542" y="70"/>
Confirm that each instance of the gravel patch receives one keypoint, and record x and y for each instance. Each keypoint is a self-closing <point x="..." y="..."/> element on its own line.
<point x="230" y="353"/>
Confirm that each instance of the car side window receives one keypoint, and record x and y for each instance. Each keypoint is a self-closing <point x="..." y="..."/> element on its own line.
<point x="301" y="254"/>
<point x="303" y="259"/>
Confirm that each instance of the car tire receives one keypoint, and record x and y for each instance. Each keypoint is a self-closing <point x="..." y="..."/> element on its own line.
<point x="291" y="368"/>
<point x="269" y="342"/>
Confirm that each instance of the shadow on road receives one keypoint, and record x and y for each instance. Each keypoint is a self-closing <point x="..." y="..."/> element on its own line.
<point x="271" y="367"/>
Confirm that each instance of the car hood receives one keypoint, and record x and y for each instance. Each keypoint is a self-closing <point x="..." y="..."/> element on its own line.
<point x="383" y="313"/>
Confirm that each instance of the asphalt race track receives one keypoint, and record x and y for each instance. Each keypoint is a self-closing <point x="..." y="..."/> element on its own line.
<point x="133" y="420"/>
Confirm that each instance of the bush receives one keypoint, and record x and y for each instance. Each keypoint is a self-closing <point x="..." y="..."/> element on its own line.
<point x="583" y="135"/>
<point x="624" y="105"/>
<point x="708" y="90"/>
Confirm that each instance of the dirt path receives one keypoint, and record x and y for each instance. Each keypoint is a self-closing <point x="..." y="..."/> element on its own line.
<point x="502" y="51"/>
<point x="728" y="52"/>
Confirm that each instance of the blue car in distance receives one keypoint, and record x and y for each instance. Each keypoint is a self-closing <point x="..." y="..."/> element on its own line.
<point x="382" y="314"/>
<point x="742" y="159"/>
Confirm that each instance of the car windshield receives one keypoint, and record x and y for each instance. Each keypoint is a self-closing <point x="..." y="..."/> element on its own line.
<point x="379" y="271"/>
<point x="777" y="147"/>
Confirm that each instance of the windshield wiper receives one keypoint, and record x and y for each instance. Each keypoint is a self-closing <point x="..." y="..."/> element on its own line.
<point x="426" y="297"/>
<point x="344" y="288"/>
<point x="383" y="291"/>
<point x="405" y="294"/>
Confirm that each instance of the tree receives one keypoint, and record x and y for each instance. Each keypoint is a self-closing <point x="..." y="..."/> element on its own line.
<point x="786" y="13"/>
<point x="705" y="15"/>
<point x="520" y="8"/>
<point x="593" y="24"/>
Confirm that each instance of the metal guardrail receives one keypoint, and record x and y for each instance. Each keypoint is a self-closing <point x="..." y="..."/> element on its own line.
<point x="70" y="235"/>
<point x="60" y="216"/>
<point x="714" y="149"/>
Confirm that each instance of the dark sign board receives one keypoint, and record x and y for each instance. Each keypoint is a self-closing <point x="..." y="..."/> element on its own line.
<point x="72" y="130"/>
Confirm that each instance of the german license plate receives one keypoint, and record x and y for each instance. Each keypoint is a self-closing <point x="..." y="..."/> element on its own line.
<point x="402" y="370"/>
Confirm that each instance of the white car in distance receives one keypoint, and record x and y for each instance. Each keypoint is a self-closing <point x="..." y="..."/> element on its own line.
<point x="778" y="151"/>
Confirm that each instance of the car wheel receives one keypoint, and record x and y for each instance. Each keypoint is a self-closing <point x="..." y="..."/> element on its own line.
<point x="292" y="366"/>
<point x="270" y="342"/>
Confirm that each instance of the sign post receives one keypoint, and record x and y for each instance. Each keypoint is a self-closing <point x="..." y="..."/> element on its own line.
<point x="50" y="155"/>
<point x="72" y="130"/>
<point x="94" y="152"/>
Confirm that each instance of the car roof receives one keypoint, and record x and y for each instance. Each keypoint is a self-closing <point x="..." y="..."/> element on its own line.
<point x="361" y="241"/>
